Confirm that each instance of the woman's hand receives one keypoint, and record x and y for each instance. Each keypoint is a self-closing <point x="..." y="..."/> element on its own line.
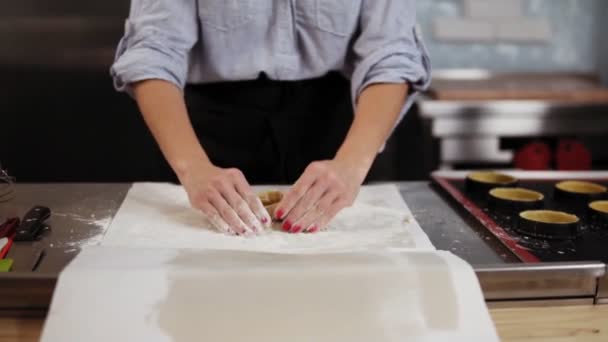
<point x="226" y="199"/>
<point x="322" y="191"/>
<point x="328" y="186"/>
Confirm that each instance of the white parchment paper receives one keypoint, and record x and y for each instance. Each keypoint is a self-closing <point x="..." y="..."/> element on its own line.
<point x="168" y="295"/>
<point x="159" y="215"/>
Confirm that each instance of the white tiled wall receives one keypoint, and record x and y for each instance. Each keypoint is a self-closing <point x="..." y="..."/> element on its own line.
<point x="578" y="28"/>
<point x="493" y="21"/>
<point x="485" y="9"/>
<point x="600" y="41"/>
<point x="463" y="30"/>
<point x="524" y="30"/>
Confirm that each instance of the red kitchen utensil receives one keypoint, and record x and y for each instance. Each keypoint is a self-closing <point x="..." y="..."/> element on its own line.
<point x="9" y="227"/>
<point x="7" y="247"/>
<point x="8" y="230"/>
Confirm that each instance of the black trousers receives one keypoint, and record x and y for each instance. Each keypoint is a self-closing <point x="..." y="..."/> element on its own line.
<point x="271" y="130"/>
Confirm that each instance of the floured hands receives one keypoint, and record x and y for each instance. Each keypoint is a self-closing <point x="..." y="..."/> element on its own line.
<point x="226" y="199"/>
<point x="322" y="191"/>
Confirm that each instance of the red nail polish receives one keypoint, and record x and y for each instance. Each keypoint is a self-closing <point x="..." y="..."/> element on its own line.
<point x="279" y="214"/>
<point x="313" y="229"/>
<point x="286" y="226"/>
<point x="296" y="229"/>
<point x="264" y="220"/>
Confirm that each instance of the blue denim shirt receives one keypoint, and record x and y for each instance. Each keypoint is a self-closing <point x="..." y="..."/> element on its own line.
<point x="199" y="41"/>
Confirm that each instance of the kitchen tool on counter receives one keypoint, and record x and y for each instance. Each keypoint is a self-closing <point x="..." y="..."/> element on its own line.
<point x="32" y="227"/>
<point x="6" y="265"/>
<point x="8" y="227"/>
<point x="7" y="191"/>
<point x="7" y="231"/>
<point x="33" y="224"/>
<point x="6" y="246"/>
<point x="37" y="257"/>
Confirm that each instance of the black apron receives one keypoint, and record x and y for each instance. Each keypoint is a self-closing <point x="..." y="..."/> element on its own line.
<point x="271" y="130"/>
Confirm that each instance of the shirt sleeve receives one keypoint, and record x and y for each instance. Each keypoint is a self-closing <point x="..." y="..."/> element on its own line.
<point x="159" y="35"/>
<point x="389" y="49"/>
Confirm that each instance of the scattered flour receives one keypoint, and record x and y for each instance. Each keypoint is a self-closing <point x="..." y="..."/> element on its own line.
<point x="159" y="216"/>
<point x="96" y="229"/>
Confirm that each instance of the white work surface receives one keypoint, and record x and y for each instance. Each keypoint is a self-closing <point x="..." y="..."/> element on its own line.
<point x="162" y="295"/>
<point x="159" y="215"/>
<point x="163" y="274"/>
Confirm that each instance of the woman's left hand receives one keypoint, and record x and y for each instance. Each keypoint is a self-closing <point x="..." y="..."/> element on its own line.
<point x="322" y="191"/>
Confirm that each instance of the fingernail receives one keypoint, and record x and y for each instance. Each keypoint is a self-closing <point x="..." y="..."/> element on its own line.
<point x="296" y="229"/>
<point x="279" y="214"/>
<point x="264" y="220"/>
<point x="286" y="226"/>
<point x="313" y="229"/>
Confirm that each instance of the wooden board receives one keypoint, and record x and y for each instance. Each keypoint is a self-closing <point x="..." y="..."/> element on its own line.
<point x="20" y="330"/>
<point x="559" y="88"/>
<point x="556" y="324"/>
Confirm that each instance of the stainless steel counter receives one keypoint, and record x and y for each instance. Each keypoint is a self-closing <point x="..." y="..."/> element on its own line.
<point x="81" y="210"/>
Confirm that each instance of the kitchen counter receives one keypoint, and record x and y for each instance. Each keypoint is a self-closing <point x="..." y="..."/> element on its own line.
<point x="82" y="209"/>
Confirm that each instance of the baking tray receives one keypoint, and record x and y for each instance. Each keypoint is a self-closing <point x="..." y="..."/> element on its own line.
<point x="592" y="245"/>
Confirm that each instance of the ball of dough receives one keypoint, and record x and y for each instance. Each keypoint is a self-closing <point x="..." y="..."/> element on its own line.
<point x="270" y="200"/>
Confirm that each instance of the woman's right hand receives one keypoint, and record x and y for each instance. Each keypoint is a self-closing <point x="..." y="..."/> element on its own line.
<point x="226" y="199"/>
<point x="223" y="195"/>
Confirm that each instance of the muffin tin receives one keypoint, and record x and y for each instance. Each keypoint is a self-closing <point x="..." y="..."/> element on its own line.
<point x="546" y="224"/>
<point x="558" y="226"/>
